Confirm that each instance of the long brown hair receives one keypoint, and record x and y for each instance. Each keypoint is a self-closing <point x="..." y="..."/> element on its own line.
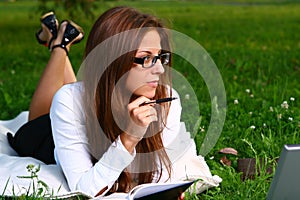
<point x="111" y="23"/>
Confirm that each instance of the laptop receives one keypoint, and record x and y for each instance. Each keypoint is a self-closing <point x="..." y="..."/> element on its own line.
<point x="286" y="181"/>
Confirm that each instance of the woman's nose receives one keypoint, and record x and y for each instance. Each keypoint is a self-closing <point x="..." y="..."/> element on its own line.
<point x="158" y="68"/>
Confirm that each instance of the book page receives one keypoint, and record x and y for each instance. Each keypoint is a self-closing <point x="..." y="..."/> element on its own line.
<point x="153" y="188"/>
<point x="144" y="191"/>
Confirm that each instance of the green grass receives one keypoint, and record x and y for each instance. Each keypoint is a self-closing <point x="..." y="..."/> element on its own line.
<point x="256" y="46"/>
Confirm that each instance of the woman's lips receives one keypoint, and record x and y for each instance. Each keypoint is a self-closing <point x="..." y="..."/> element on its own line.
<point x="153" y="84"/>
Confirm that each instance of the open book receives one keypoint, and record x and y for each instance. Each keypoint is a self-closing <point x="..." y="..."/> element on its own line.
<point x="147" y="191"/>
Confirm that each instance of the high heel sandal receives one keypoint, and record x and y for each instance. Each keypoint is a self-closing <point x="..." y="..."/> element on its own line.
<point x="49" y="20"/>
<point x="70" y="34"/>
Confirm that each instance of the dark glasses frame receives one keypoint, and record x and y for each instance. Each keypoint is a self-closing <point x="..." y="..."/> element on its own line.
<point x="164" y="58"/>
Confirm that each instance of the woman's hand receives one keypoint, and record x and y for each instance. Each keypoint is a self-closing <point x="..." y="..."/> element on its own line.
<point x="140" y="118"/>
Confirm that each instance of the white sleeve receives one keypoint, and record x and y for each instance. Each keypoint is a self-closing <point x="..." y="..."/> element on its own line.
<point x="171" y="133"/>
<point x="71" y="147"/>
<point x="173" y="120"/>
<point x="177" y="141"/>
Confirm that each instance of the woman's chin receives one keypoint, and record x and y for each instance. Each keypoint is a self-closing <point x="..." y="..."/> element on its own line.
<point x="148" y="95"/>
<point x="146" y="92"/>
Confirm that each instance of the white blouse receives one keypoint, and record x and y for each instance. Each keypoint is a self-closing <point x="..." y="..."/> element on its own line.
<point x="71" y="144"/>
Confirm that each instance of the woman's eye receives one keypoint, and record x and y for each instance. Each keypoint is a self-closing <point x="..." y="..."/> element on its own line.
<point x="146" y="58"/>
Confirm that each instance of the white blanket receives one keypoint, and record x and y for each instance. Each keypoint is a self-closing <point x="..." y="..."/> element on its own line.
<point x="13" y="167"/>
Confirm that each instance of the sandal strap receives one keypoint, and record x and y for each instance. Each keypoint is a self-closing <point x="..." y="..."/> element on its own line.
<point x="38" y="38"/>
<point x="61" y="46"/>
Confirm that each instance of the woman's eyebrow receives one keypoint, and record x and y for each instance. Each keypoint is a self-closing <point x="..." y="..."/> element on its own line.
<point x="144" y="51"/>
<point x="148" y="52"/>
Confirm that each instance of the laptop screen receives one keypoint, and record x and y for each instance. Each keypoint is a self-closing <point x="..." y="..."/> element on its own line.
<point x="286" y="181"/>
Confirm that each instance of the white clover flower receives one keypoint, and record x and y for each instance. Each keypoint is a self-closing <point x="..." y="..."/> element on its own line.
<point x="264" y="125"/>
<point x="187" y="96"/>
<point x="292" y="99"/>
<point x="271" y="109"/>
<point x="285" y="105"/>
<point x="236" y="101"/>
<point x="202" y="129"/>
<point x="248" y="90"/>
<point x="290" y="118"/>
<point x="23" y="191"/>
<point x="279" y="116"/>
<point x="251" y="95"/>
<point x="250" y="113"/>
<point x="252" y="127"/>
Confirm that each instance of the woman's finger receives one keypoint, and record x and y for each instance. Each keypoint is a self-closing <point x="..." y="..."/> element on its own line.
<point x="144" y="115"/>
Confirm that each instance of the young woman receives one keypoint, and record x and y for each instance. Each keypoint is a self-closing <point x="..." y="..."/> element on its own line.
<point x="108" y="136"/>
<point x="94" y="158"/>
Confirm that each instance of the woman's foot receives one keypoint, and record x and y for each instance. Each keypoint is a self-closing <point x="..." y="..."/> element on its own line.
<point x="68" y="34"/>
<point x="48" y="32"/>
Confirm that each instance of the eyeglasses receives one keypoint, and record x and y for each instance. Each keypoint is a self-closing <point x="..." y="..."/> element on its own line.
<point x="150" y="60"/>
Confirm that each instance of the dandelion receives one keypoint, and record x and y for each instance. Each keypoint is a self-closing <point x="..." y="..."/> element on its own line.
<point x="248" y="90"/>
<point x="187" y="96"/>
<point x="292" y="99"/>
<point x="290" y="118"/>
<point x="236" y="101"/>
<point x="252" y="127"/>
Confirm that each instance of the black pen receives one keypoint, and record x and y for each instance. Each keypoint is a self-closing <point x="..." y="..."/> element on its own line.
<point x="158" y="101"/>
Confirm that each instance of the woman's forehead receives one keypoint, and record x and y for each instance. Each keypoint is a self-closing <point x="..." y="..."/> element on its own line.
<point x="150" y="41"/>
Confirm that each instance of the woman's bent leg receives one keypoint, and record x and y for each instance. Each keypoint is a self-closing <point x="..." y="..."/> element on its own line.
<point x="51" y="80"/>
<point x="58" y="72"/>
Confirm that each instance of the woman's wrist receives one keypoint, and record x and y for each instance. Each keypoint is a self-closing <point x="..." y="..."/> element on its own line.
<point x="129" y="141"/>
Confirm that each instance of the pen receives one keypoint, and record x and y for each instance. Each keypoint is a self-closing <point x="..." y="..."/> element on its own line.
<point x="158" y="101"/>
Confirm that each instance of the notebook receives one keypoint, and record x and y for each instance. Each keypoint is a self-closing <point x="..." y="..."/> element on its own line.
<point x="286" y="181"/>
